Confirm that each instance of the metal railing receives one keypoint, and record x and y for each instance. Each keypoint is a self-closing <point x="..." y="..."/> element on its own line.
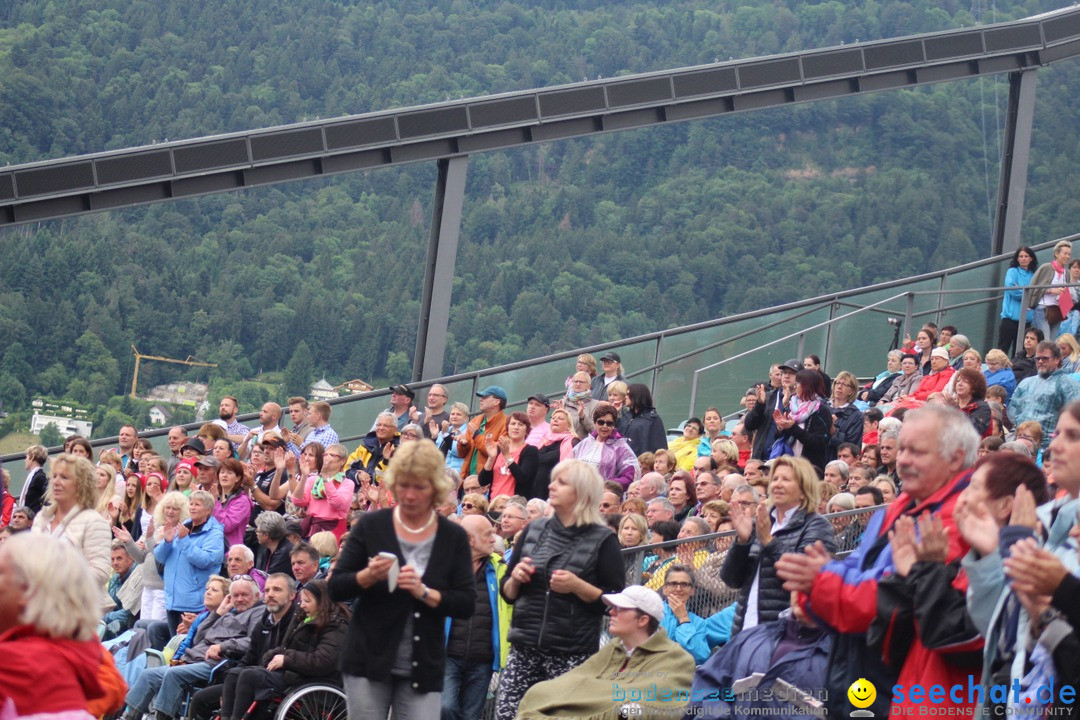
<point x="673" y="356"/>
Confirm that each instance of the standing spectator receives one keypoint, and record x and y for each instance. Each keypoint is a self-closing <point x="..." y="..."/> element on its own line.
<point x="53" y="664"/>
<point x="401" y="407"/>
<point x="395" y="654"/>
<point x="613" y="372"/>
<point x="176" y="439"/>
<point x="558" y="570"/>
<point x="69" y="513"/>
<point x="327" y="494"/>
<point x="275" y="550"/>
<point x="190" y="552"/>
<point x="455" y="425"/>
<point x="369" y="461"/>
<point x="642" y="428"/>
<point x="558" y="445"/>
<point x="1017" y="277"/>
<point x="1051" y="304"/>
<point x="477" y="646"/>
<point x="233" y="505"/>
<point x="321" y="432"/>
<point x="813" y="362"/>
<point x="937" y="446"/>
<point x="580" y="403"/>
<point x="760" y="419"/>
<point x="235" y="431"/>
<point x="787" y="523"/>
<point x="510" y="468"/>
<point x="434" y="412"/>
<point x="807" y="423"/>
<point x="606" y="450"/>
<point x="301" y="425"/>
<point x="489" y="424"/>
<point x="125" y="443"/>
<point x="537" y="410"/>
<point x="37" y="482"/>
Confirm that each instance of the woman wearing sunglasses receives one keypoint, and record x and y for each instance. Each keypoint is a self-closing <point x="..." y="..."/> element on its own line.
<point x="608" y="451"/>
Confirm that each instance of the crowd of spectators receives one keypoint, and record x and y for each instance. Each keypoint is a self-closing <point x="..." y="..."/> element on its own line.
<point x="916" y="528"/>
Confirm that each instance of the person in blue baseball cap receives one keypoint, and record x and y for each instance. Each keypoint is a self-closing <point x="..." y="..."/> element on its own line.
<point x="490" y="424"/>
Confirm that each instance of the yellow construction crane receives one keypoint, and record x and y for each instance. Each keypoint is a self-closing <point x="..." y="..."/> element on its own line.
<point x="139" y="356"/>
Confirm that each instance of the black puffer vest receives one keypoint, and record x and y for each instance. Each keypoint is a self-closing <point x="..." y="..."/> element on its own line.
<point x="558" y="621"/>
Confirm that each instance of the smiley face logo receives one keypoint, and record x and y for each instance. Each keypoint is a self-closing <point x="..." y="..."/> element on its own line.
<point x="862" y="693"/>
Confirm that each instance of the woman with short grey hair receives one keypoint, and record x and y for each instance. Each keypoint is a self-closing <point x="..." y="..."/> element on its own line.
<point x="274" y="547"/>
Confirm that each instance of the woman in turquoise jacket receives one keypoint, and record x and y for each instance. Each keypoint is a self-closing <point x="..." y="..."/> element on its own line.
<point x="1019" y="275"/>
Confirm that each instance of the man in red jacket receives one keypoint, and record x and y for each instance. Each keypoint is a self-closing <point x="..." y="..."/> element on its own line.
<point x="937" y="447"/>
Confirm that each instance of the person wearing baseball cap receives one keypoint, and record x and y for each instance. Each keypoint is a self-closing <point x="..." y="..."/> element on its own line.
<point x="537" y="411"/>
<point x="401" y="405"/>
<point x="640" y="661"/>
<point x="490" y="424"/>
<point x="207" y="477"/>
<point x="613" y="370"/>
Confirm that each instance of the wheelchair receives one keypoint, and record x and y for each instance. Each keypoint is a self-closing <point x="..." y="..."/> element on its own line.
<point x="314" y="701"/>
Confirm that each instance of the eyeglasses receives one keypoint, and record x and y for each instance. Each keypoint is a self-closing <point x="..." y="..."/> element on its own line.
<point x="334" y="455"/>
<point x="1043" y="358"/>
<point x="512" y="517"/>
<point x="406" y="434"/>
<point x="746" y="503"/>
<point x="604" y="423"/>
<point x="468" y="506"/>
<point x="234" y="578"/>
<point x="675" y="584"/>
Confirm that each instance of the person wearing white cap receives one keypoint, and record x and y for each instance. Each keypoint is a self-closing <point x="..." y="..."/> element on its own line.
<point x="641" y="672"/>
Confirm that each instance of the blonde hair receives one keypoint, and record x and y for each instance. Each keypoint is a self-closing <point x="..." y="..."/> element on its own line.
<point x="1070" y="340"/>
<point x="420" y="460"/>
<point x="112" y="458"/>
<point x="590" y="361"/>
<point x="640" y="523"/>
<point x="60" y="593"/>
<point x="999" y="357"/>
<point x="727" y="448"/>
<point x="82" y="473"/>
<point x="589" y="487"/>
<point x="478" y="500"/>
<point x="846" y="377"/>
<point x="173" y="498"/>
<point x="804" y="476"/>
<point x="618" y="387"/>
<point x="325" y="543"/>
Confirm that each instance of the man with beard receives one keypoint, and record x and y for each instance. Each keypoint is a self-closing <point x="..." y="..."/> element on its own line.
<point x="227" y="409"/>
<point x="1042" y="396"/>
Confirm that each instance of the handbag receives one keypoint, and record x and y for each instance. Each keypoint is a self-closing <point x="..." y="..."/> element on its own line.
<point x="781" y="446"/>
<point x="1053" y="315"/>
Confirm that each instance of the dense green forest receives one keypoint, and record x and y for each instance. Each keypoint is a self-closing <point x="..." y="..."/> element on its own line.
<point x="562" y="245"/>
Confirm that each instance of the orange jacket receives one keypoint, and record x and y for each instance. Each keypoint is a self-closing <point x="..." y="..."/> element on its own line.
<point x="475" y="442"/>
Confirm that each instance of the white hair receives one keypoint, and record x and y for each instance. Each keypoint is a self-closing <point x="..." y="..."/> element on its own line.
<point x="62" y="599"/>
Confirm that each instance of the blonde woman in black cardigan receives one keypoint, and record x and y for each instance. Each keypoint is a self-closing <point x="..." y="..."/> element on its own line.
<point x="395" y="651"/>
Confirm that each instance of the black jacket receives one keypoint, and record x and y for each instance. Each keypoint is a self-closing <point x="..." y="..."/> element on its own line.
<point x="267" y="634"/>
<point x="379" y="615"/>
<point x="848" y="428"/>
<point x="277" y="562"/>
<point x="759" y="421"/>
<point x="37" y="483"/>
<point x="814" y="437"/>
<point x="874" y="394"/>
<point x="547" y="458"/>
<point x="599" y="387"/>
<point x="562" y="622"/>
<point x="744" y="560"/>
<point x="311" y="653"/>
<point x="524" y="471"/>
<point x="645" y="431"/>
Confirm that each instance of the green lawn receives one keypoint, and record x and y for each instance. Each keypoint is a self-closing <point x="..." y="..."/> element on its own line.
<point x="16" y="442"/>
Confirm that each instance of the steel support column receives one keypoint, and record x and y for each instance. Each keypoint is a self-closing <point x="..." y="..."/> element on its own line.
<point x="439" y="273"/>
<point x="1014" y="162"/>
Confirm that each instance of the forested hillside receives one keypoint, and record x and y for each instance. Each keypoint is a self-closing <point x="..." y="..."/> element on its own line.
<point x="562" y="244"/>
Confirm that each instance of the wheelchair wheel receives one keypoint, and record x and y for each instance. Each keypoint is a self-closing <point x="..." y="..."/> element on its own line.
<point x="313" y="702"/>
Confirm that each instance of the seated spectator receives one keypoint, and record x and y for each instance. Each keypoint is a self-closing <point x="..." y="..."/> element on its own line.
<point x="638" y="655"/>
<point x="970" y="394"/>
<point x="125" y="590"/>
<point x="240" y="561"/>
<point x="275" y="549"/>
<point x="306" y="566"/>
<point x="1043" y="396"/>
<point x="633" y="505"/>
<point x="724" y="453"/>
<point x="268" y="634"/>
<point x="681" y="625"/>
<point x="999" y="372"/>
<point x="308" y="653"/>
<point x="972" y="360"/>
<point x="837" y="473"/>
<point x="989" y="445"/>
<point x="790" y="653"/>
<point x="847" y="426"/>
<point x="886" y="487"/>
<point x="633" y="532"/>
<point x="932" y="382"/>
<point x="686" y="447"/>
<point x="53" y="664"/>
<point x="327" y="545"/>
<point x="664" y="462"/>
<point x="223" y="633"/>
<point x="653" y="565"/>
<point x="1070" y="352"/>
<point x="904" y="384"/>
<point x="880" y="385"/>
<point x="850" y="537"/>
<point x="1023" y="363"/>
<point x="681" y="496"/>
